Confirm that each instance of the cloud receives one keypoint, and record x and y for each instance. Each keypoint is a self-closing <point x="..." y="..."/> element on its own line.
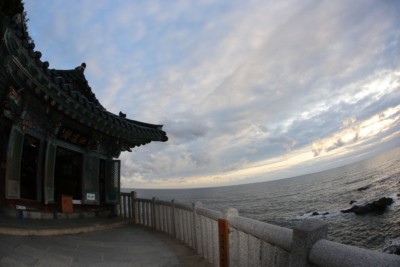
<point x="285" y="141"/>
<point x="349" y="122"/>
<point x="185" y="129"/>
<point x="242" y="88"/>
<point x="363" y="131"/>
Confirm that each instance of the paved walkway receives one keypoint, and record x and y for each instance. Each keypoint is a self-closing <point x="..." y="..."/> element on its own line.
<point x="88" y="242"/>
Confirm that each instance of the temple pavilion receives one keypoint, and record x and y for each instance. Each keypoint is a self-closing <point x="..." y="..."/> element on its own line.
<point x="56" y="139"/>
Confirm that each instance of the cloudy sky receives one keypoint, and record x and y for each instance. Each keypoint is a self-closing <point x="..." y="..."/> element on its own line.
<point x="247" y="91"/>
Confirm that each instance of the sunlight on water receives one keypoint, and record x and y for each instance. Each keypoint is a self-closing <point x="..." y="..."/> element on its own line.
<point x="321" y="195"/>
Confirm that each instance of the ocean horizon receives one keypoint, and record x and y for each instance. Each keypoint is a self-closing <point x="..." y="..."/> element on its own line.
<point x="321" y="195"/>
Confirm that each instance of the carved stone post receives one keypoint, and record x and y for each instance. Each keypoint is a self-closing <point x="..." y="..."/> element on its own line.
<point x="134" y="209"/>
<point x="129" y="211"/>
<point x="305" y="235"/>
<point x="196" y="235"/>
<point x="153" y="212"/>
<point x="173" y="218"/>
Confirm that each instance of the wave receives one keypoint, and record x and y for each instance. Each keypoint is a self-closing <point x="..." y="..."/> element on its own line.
<point x="318" y="214"/>
<point x="392" y="246"/>
<point x="396" y="200"/>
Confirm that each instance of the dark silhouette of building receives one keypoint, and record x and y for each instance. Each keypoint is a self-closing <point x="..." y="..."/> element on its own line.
<point x="55" y="137"/>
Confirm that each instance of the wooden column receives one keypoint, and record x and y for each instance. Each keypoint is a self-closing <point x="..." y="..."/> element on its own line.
<point x="223" y="232"/>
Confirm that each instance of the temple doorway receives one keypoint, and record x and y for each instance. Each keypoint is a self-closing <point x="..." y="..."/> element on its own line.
<point x="29" y="167"/>
<point x="68" y="173"/>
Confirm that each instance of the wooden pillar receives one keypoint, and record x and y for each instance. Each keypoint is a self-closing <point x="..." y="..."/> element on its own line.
<point x="223" y="234"/>
<point x="229" y="245"/>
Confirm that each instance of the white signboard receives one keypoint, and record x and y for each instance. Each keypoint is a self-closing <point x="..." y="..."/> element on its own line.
<point x="90" y="196"/>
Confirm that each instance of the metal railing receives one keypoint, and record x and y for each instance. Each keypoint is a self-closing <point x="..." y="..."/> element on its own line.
<point x="248" y="242"/>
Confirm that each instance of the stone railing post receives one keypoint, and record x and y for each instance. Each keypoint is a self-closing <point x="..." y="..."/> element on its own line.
<point x="133" y="199"/>
<point x="122" y="207"/>
<point x="227" y="257"/>
<point x="160" y="217"/>
<point x="173" y="218"/>
<point x="153" y="213"/>
<point x="195" y="226"/>
<point x="119" y="206"/>
<point x="305" y="235"/>
<point x="168" y="216"/>
<point x="116" y="209"/>
<point x="130" y="207"/>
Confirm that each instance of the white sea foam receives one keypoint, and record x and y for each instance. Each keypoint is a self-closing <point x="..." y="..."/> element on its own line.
<point x="279" y="201"/>
<point x="321" y="214"/>
<point x="396" y="200"/>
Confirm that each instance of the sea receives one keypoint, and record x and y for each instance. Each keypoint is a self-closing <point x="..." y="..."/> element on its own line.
<point x="286" y="202"/>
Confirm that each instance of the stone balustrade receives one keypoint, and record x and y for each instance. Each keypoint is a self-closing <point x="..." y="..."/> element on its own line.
<point x="248" y="242"/>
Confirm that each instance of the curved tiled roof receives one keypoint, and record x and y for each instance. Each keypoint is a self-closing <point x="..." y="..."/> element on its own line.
<point x="69" y="92"/>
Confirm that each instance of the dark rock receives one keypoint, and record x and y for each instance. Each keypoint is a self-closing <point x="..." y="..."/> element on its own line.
<point x="353" y="201"/>
<point x="393" y="249"/>
<point x="314" y="213"/>
<point x="364" y="188"/>
<point x="378" y="206"/>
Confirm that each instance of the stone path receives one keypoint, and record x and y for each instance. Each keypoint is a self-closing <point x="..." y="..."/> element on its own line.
<point x="126" y="245"/>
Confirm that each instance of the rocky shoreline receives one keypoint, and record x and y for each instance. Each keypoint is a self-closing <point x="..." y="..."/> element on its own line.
<point x="377" y="206"/>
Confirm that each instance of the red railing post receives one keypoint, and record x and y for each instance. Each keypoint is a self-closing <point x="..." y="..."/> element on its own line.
<point x="223" y="233"/>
